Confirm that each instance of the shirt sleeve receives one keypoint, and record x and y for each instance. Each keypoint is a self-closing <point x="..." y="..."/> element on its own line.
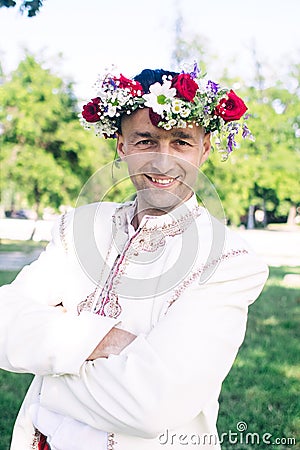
<point x="169" y="376"/>
<point x="37" y="337"/>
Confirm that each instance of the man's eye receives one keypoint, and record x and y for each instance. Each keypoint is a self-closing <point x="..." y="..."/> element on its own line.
<point x="144" y="142"/>
<point x="180" y="142"/>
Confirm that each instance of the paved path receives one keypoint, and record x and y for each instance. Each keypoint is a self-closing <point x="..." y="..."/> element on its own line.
<point x="17" y="260"/>
<point x="277" y="248"/>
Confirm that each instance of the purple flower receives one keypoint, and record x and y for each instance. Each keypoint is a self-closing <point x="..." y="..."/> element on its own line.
<point x="246" y="134"/>
<point x="214" y="87"/>
<point x="113" y="83"/>
<point x="246" y="131"/>
<point x="196" y="71"/>
<point x="230" y="142"/>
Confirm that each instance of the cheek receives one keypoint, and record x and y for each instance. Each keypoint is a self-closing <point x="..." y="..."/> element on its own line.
<point x="138" y="161"/>
<point x="190" y="166"/>
<point x="193" y="159"/>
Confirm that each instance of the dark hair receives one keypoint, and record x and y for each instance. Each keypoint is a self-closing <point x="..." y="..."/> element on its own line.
<point x="148" y="77"/>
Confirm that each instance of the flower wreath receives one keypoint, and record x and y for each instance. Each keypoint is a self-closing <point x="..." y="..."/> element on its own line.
<point x="178" y="102"/>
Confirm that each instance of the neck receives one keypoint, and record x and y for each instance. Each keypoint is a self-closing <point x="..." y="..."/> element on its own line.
<point x="143" y="209"/>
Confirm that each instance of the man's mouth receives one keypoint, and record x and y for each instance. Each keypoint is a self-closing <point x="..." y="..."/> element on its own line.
<point x="161" y="181"/>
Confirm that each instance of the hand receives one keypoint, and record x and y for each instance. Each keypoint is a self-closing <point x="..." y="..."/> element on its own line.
<point x="112" y="344"/>
<point x="61" y="307"/>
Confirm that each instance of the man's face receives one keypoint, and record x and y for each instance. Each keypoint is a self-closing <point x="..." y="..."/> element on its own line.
<point x="163" y="165"/>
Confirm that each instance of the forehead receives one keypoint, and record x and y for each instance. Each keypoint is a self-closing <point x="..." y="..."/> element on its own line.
<point x="139" y="122"/>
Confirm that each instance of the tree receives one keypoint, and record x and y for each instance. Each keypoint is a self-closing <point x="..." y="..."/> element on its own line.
<point x="31" y="6"/>
<point x="262" y="174"/>
<point x="46" y="155"/>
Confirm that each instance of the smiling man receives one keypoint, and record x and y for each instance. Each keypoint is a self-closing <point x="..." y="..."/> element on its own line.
<point x="163" y="165"/>
<point x="138" y="308"/>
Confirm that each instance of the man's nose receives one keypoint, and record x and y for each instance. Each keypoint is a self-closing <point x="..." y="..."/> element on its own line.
<point x="163" y="161"/>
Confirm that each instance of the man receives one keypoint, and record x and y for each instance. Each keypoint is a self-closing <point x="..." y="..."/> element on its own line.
<point x="133" y="316"/>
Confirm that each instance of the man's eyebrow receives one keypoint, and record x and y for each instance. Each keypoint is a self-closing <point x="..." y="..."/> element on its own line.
<point x="181" y="134"/>
<point x="144" y="134"/>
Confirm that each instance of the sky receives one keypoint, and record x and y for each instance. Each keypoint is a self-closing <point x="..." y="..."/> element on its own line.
<point x="91" y="35"/>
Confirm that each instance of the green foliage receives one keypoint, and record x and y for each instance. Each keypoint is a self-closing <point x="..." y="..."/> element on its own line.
<point x="46" y="155"/>
<point x="265" y="172"/>
<point x="31" y="6"/>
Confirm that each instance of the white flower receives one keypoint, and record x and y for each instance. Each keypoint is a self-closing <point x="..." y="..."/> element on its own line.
<point x="160" y="97"/>
<point x="185" y="112"/>
<point x="111" y="112"/>
<point x="181" y="124"/>
<point x="167" y="126"/>
<point x="177" y="106"/>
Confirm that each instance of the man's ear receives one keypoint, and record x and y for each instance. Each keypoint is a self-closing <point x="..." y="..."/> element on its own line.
<point x="120" y="146"/>
<point x="206" y="148"/>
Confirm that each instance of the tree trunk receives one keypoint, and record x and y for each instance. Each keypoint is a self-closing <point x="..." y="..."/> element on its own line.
<point x="250" y="221"/>
<point x="265" y="221"/>
<point x="292" y="215"/>
<point x="37" y="196"/>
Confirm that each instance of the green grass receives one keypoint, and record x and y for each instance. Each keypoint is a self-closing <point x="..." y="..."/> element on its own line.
<point x="13" y="389"/>
<point x="7" y="277"/>
<point x="20" y="246"/>
<point x="262" y="388"/>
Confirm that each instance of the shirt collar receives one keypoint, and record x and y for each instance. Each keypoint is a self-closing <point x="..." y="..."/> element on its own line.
<point x="181" y="216"/>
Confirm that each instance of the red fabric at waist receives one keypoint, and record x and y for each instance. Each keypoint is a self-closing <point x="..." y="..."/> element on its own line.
<point x="43" y="444"/>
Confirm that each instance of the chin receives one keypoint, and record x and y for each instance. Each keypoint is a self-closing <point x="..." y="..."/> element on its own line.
<point x="163" y="201"/>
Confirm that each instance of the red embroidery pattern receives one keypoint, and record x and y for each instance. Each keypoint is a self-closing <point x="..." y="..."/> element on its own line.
<point x="111" y="441"/>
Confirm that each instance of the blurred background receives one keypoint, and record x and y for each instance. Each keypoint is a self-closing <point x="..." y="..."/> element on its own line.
<point x="51" y="52"/>
<point x="50" y="61"/>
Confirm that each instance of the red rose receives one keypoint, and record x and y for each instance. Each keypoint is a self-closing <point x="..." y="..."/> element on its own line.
<point x="185" y="86"/>
<point x="135" y="88"/>
<point x="154" y="117"/>
<point x="231" y="107"/>
<point x="90" y="111"/>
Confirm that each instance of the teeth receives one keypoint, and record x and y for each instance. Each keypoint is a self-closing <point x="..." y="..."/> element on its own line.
<point x="162" y="181"/>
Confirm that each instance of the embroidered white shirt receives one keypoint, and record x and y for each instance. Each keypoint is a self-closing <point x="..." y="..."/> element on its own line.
<point x="182" y="283"/>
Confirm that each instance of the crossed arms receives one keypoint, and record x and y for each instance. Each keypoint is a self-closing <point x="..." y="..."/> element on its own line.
<point x="112" y="344"/>
<point x="107" y="377"/>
